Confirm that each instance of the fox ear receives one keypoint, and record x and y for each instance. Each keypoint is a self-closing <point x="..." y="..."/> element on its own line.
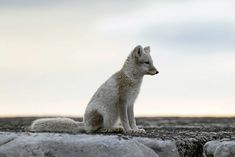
<point x="138" y="51"/>
<point x="147" y="49"/>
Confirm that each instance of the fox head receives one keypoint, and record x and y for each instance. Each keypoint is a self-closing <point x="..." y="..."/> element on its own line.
<point x="143" y="60"/>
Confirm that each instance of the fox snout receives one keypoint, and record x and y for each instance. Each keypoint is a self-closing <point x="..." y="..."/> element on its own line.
<point x="153" y="71"/>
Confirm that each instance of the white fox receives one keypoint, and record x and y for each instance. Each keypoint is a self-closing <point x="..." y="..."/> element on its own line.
<point x="113" y="100"/>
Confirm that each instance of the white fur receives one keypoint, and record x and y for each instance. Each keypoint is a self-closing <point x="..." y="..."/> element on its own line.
<point x="113" y="100"/>
<point x="55" y="125"/>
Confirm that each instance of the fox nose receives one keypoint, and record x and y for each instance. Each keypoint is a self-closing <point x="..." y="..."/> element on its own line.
<point x="157" y="72"/>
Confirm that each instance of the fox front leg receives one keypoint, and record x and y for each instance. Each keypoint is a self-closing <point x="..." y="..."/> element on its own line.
<point x="131" y="117"/>
<point x="132" y="121"/>
<point x="124" y="117"/>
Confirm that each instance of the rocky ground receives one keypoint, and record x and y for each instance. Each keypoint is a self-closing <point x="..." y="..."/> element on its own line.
<point x="165" y="137"/>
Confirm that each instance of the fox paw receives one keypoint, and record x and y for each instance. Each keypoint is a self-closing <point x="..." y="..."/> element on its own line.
<point x="136" y="131"/>
<point x="140" y="131"/>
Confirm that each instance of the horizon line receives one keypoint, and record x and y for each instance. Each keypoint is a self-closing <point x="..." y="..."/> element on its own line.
<point x="138" y="116"/>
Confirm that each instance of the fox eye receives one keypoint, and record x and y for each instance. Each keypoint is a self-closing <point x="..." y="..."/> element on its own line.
<point x="146" y="62"/>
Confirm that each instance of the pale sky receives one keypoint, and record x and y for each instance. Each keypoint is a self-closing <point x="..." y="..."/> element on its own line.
<point x="55" y="54"/>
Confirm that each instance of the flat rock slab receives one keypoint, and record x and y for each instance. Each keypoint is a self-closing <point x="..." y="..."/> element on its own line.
<point x="220" y="148"/>
<point x="82" y="145"/>
<point x="165" y="137"/>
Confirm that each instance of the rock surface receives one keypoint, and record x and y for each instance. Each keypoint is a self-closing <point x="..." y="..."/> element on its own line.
<point x="81" y="145"/>
<point x="220" y="148"/>
<point x="165" y="137"/>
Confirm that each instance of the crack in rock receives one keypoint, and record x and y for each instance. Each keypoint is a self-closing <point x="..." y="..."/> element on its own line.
<point x="7" y="141"/>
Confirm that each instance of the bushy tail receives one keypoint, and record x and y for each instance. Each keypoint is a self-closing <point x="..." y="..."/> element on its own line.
<point x="65" y="125"/>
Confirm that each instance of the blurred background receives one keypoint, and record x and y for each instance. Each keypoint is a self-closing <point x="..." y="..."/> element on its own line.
<point x="55" y="54"/>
